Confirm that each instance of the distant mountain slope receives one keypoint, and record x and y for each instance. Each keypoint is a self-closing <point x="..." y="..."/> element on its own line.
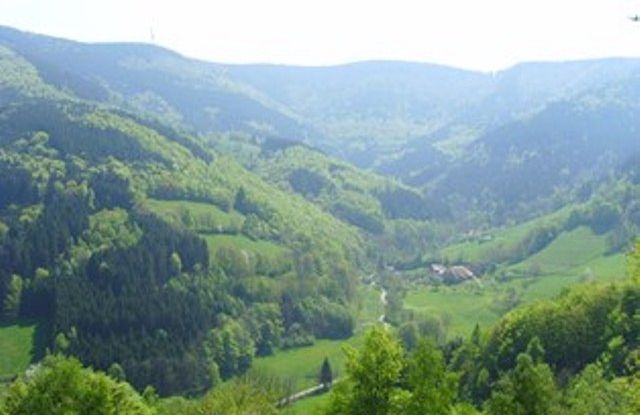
<point x="147" y="78"/>
<point x="370" y="113"/>
<point x="367" y="109"/>
<point x="515" y="170"/>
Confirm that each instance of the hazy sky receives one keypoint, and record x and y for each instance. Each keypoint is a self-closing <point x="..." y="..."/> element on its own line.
<point x="478" y="34"/>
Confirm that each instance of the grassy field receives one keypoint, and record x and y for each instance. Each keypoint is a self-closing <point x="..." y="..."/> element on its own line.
<point x="201" y="217"/>
<point x="21" y="343"/>
<point x="460" y="307"/>
<point x="266" y="248"/>
<point x="477" y="250"/>
<point x="302" y="365"/>
<point x="217" y="227"/>
<point x="568" y="251"/>
<point x="573" y="257"/>
<point x="309" y="406"/>
<point x="605" y="268"/>
<point x="498" y="242"/>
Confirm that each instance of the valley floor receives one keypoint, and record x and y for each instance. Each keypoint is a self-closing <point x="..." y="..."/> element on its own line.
<point x="577" y="256"/>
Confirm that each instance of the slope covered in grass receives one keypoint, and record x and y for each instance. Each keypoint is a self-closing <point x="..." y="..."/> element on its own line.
<point x="302" y="365"/>
<point x="570" y="250"/>
<point x="21" y="343"/>
<point x="261" y="247"/>
<point x="459" y="308"/>
<point x="201" y="217"/>
<point x="499" y="245"/>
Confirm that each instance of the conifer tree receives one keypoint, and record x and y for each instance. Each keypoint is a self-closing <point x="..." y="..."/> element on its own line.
<point x="326" y="374"/>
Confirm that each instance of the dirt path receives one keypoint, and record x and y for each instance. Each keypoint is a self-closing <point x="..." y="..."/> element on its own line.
<point x="383" y="300"/>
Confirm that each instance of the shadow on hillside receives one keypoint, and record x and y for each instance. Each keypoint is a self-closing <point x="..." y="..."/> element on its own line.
<point x="40" y="343"/>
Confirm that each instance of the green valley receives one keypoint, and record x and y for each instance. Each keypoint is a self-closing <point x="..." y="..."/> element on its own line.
<point x="377" y="238"/>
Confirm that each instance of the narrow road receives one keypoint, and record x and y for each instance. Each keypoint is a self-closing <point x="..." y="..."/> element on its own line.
<point x="299" y="395"/>
<point x="304" y="393"/>
<point x="383" y="300"/>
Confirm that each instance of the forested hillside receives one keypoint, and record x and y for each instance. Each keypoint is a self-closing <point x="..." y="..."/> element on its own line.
<point x="387" y="212"/>
<point x="95" y="244"/>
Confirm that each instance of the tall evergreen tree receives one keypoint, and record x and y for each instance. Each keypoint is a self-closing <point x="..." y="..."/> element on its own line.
<point x="326" y="374"/>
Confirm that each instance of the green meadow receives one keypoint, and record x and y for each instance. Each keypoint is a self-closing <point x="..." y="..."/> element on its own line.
<point x="301" y="365"/>
<point x="266" y="248"/>
<point x="21" y="343"/>
<point x="309" y="406"/>
<point x="498" y="243"/>
<point x="201" y="217"/>
<point x="460" y="308"/>
<point x="568" y="251"/>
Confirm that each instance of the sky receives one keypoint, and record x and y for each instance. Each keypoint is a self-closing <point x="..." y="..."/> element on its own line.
<point x="484" y="35"/>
